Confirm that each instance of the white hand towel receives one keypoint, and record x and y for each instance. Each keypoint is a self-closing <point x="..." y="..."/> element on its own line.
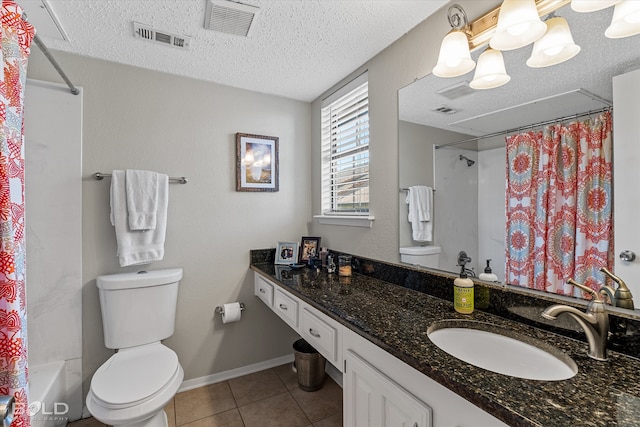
<point x="420" y="201"/>
<point x="142" y="198"/>
<point x="138" y="246"/>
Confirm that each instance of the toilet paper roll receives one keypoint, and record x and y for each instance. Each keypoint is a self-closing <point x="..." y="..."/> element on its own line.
<point x="232" y="312"/>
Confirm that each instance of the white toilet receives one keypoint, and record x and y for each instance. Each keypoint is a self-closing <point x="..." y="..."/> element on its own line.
<point x="425" y="256"/>
<point x="136" y="383"/>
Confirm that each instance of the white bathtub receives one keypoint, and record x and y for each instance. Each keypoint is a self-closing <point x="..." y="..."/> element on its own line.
<point x="47" y="395"/>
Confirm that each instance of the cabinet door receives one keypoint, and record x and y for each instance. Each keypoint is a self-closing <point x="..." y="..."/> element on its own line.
<point x="374" y="400"/>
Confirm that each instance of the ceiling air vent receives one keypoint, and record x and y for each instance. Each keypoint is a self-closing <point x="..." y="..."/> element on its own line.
<point x="445" y="110"/>
<point x="230" y="17"/>
<point x="146" y="32"/>
<point x="456" y="91"/>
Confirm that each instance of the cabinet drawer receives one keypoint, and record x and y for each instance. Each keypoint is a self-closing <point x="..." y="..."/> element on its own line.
<point x="322" y="336"/>
<point x="263" y="290"/>
<point x="286" y="307"/>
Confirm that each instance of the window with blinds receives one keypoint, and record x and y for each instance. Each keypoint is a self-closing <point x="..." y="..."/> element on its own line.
<point x="345" y="150"/>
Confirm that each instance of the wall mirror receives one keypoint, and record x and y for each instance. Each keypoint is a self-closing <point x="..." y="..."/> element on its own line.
<point x="469" y="190"/>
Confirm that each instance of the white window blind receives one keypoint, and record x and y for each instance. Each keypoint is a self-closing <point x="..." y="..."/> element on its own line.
<point x="345" y="150"/>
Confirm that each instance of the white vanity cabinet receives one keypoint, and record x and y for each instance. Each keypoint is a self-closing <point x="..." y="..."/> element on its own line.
<point x="318" y="329"/>
<point x="426" y="403"/>
<point x="371" y="399"/>
<point x="379" y="389"/>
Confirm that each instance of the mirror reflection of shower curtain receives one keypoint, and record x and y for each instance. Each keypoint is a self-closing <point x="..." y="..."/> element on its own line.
<point x="16" y="41"/>
<point x="559" y="206"/>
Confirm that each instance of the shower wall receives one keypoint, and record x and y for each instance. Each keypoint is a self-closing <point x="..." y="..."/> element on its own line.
<point x="456" y="206"/>
<point x="491" y="209"/>
<point x="53" y="181"/>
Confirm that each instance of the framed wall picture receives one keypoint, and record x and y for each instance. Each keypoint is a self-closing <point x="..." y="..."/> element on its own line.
<point x="309" y="248"/>
<point x="286" y="253"/>
<point x="256" y="162"/>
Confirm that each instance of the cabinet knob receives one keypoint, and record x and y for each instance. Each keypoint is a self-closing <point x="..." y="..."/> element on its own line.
<point x="627" y="256"/>
<point x="283" y="306"/>
<point x="314" y="333"/>
<point x="262" y="291"/>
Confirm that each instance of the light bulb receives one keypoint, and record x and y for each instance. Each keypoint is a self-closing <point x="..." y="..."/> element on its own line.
<point x="454" y="58"/>
<point x="490" y="72"/>
<point x="555" y="46"/>
<point x="625" y="21"/>
<point x="518" y="25"/>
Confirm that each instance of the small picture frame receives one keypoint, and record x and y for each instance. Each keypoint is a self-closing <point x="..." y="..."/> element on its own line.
<point x="286" y="253"/>
<point x="256" y="162"/>
<point x="309" y="248"/>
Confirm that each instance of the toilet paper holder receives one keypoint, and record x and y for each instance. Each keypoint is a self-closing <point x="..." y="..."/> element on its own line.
<point x="220" y="309"/>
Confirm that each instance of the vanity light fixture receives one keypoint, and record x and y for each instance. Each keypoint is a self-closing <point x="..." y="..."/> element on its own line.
<point x="555" y="46"/>
<point x="490" y="72"/>
<point x="455" y="58"/>
<point x="625" y="21"/>
<point x="518" y="25"/>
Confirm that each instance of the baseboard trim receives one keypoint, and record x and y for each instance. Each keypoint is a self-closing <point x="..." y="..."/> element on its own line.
<point x="234" y="373"/>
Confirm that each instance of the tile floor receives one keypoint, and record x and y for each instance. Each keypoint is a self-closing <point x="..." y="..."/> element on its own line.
<point x="269" y="398"/>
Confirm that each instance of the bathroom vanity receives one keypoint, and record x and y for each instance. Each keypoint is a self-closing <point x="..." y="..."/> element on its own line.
<point x="375" y="332"/>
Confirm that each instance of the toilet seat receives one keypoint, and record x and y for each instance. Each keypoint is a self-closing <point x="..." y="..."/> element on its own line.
<point x="134" y="375"/>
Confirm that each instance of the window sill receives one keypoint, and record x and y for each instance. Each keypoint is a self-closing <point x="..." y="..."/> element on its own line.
<point x="348" y="220"/>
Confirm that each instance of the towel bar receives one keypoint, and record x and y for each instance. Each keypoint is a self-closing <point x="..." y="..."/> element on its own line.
<point x="180" y="180"/>
<point x="406" y="189"/>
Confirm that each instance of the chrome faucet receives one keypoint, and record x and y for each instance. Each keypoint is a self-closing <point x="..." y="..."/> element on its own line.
<point x="595" y="321"/>
<point x="620" y="297"/>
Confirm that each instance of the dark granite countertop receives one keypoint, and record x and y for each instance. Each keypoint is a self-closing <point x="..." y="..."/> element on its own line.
<point x="397" y="318"/>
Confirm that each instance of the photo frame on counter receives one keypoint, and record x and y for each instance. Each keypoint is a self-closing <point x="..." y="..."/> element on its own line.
<point x="286" y="253"/>
<point x="309" y="248"/>
<point x="256" y="162"/>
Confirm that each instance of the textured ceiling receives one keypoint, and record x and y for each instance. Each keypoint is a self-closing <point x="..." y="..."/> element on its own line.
<point x="297" y="48"/>
<point x="599" y="60"/>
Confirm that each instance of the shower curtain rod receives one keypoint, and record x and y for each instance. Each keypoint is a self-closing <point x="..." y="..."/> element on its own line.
<point x="45" y="50"/>
<point x="74" y="90"/>
<point x="535" y="125"/>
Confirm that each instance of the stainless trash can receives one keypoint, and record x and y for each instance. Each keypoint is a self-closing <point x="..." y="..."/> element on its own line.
<point x="310" y="366"/>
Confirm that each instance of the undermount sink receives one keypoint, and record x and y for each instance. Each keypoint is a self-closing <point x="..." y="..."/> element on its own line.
<point x="502" y="351"/>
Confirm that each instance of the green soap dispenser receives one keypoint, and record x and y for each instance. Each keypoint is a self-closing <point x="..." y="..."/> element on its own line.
<point x="463" y="293"/>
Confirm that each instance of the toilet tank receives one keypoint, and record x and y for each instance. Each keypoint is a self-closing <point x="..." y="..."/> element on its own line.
<point x="138" y="308"/>
<point x="426" y="256"/>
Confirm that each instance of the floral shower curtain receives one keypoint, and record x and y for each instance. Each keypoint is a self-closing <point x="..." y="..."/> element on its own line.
<point x="17" y="35"/>
<point x="559" y="206"/>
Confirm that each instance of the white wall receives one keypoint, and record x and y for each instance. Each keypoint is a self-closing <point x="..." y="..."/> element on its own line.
<point x="53" y="209"/>
<point x="135" y="118"/>
<point x="626" y="175"/>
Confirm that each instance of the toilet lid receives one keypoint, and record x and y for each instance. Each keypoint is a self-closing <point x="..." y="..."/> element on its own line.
<point x="134" y="374"/>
